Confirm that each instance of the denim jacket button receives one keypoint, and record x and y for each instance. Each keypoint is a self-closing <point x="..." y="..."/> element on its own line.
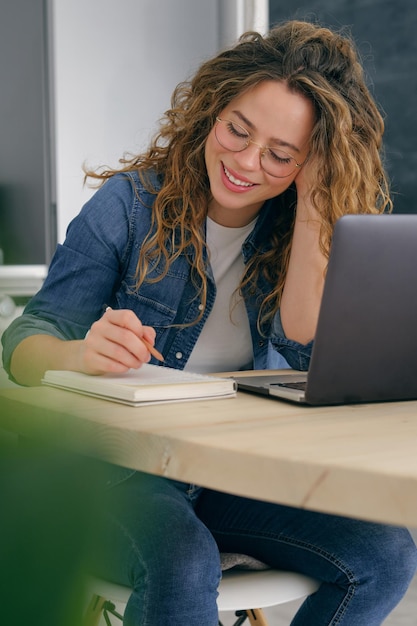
<point x="200" y="307"/>
<point x="178" y="355"/>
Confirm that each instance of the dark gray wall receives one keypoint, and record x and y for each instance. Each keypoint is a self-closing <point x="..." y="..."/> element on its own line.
<point x="386" y="35"/>
<point x="27" y="219"/>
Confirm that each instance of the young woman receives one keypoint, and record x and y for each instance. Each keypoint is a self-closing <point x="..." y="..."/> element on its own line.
<point x="213" y="245"/>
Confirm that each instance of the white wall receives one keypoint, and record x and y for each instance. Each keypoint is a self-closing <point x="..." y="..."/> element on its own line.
<point x="116" y="64"/>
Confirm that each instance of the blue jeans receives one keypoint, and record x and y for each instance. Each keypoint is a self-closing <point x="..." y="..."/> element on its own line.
<point x="164" y="539"/>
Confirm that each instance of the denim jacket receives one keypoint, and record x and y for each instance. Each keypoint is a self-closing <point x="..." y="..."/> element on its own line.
<point x="96" y="266"/>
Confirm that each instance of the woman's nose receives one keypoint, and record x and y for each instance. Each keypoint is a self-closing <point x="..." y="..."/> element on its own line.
<point x="250" y="157"/>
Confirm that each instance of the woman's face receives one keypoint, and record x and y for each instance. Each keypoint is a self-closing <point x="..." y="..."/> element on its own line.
<point x="273" y="116"/>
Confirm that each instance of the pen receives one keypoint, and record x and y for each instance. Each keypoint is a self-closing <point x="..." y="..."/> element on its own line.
<point x="152" y="350"/>
<point x="149" y="346"/>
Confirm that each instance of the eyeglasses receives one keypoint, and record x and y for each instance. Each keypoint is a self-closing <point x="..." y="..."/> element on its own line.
<point x="235" y="138"/>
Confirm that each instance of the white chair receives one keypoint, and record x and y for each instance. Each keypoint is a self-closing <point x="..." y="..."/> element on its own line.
<point x="244" y="592"/>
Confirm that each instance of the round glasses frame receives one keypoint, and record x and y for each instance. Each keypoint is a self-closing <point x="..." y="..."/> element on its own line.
<point x="246" y="140"/>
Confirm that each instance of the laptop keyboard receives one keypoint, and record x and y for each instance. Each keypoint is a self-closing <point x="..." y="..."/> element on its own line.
<point x="300" y="385"/>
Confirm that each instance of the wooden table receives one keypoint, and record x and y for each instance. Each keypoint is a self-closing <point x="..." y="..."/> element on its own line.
<point x="357" y="460"/>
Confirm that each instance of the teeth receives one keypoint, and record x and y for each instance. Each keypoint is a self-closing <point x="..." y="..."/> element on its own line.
<point x="234" y="180"/>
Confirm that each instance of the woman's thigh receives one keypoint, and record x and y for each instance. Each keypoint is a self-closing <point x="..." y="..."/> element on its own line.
<point x="365" y="568"/>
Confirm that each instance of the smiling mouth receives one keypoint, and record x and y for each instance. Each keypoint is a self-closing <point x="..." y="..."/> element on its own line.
<point x="236" y="181"/>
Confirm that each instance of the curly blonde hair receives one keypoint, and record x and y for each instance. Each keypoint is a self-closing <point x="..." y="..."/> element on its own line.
<point x="324" y="67"/>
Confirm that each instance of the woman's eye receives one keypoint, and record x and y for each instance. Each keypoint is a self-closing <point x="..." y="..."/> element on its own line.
<point x="237" y="131"/>
<point x="281" y="157"/>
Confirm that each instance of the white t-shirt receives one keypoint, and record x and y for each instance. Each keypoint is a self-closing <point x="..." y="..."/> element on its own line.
<point x="225" y="342"/>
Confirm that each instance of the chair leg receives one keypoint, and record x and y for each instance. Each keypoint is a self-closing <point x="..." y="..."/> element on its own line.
<point x="98" y="607"/>
<point x="257" y="617"/>
<point x="94" y="611"/>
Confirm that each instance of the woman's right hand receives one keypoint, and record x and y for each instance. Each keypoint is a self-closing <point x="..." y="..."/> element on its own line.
<point x="113" y="343"/>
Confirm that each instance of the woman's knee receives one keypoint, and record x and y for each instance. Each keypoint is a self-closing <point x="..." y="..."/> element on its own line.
<point x="388" y="563"/>
<point x="398" y="557"/>
<point x="172" y="544"/>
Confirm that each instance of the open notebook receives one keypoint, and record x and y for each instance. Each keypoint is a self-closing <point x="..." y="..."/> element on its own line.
<point x="365" y="348"/>
<point x="150" y="384"/>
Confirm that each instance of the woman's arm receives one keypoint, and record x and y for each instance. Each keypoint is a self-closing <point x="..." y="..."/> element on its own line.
<point x="112" y="345"/>
<point x="303" y="288"/>
<point x="85" y="272"/>
<point x="38" y="353"/>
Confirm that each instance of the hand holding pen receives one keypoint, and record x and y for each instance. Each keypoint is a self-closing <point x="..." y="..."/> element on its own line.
<point x="117" y="342"/>
<point x="154" y="352"/>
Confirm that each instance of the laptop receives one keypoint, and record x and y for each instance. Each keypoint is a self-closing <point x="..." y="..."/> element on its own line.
<point x="365" y="348"/>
